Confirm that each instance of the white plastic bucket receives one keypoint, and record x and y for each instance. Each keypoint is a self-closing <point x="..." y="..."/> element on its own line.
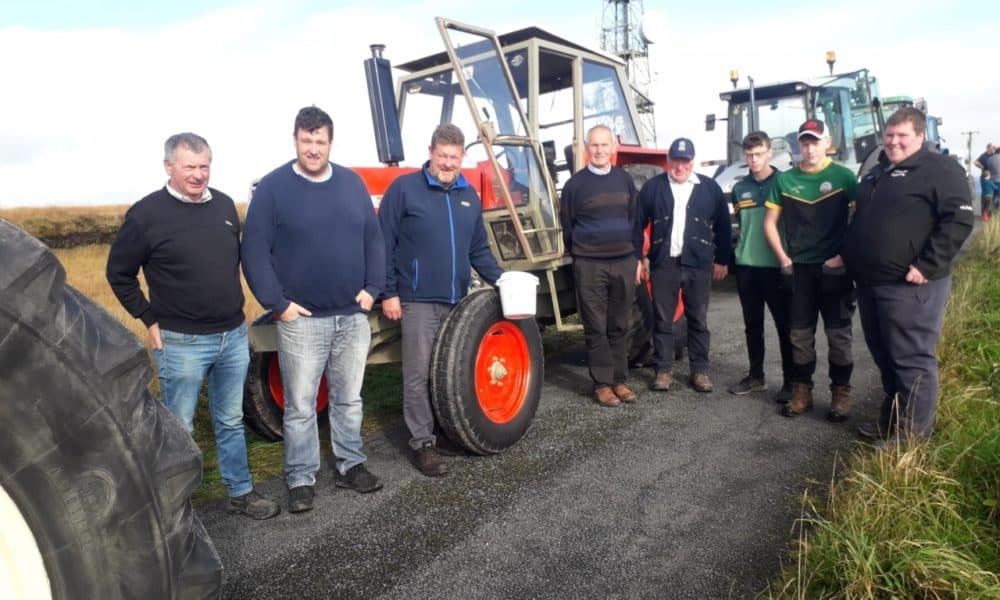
<point x="517" y="294"/>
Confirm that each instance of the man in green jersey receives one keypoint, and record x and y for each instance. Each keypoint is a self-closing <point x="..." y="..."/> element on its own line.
<point x="757" y="273"/>
<point x="812" y="202"/>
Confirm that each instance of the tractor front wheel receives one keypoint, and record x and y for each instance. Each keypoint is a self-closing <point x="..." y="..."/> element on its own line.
<point x="486" y="374"/>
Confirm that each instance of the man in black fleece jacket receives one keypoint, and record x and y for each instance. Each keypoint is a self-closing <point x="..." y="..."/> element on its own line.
<point x="186" y="239"/>
<point x="913" y="213"/>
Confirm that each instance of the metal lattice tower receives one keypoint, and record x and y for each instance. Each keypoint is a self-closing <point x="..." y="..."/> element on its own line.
<point x="620" y="35"/>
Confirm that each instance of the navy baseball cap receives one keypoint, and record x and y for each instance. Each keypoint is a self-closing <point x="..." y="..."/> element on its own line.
<point x="681" y="149"/>
<point x="814" y="128"/>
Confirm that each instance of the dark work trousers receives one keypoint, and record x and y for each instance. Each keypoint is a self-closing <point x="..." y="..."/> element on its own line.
<point x="758" y="286"/>
<point x="902" y="323"/>
<point x="815" y="292"/>
<point x="605" y="291"/>
<point x="421" y="321"/>
<point x="668" y="278"/>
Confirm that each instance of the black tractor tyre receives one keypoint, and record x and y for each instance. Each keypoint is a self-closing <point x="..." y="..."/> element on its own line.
<point x="640" y="328"/>
<point x="486" y="374"/>
<point x="97" y="469"/>
<point x="260" y="412"/>
<point x="641" y="173"/>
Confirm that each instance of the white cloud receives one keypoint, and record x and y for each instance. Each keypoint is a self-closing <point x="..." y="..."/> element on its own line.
<point x="86" y="112"/>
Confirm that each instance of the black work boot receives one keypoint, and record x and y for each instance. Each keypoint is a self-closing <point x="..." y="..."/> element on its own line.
<point x="429" y="461"/>
<point x="300" y="498"/>
<point x="253" y="505"/>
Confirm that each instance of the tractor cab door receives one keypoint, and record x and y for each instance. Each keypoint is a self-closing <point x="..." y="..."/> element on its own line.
<point x="518" y="193"/>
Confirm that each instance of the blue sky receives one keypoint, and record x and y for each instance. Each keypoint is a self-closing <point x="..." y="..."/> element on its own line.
<point x="91" y="89"/>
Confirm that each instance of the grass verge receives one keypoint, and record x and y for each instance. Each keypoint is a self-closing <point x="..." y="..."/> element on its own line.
<point x="922" y="521"/>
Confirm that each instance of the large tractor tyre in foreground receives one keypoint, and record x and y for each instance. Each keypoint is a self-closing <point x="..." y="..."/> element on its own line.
<point x="486" y="374"/>
<point x="95" y="474"/>
<point x="264" y="397"/>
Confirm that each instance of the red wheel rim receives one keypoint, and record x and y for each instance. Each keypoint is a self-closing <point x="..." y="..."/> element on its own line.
<point x="278" y="392"/>
<point x="503" y="368"/>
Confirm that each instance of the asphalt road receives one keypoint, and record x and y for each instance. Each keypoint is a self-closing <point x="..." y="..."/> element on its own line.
<point x="682" y="495"/>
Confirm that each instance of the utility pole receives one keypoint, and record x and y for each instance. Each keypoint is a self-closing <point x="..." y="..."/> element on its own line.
<point x="968" y="149"/>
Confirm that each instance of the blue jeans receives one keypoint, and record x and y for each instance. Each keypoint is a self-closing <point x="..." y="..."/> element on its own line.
<point x="183" y="364"/>
<point x="308" y="347"/>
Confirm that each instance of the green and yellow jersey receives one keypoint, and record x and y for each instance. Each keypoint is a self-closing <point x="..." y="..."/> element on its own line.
<point x="814" y="210"/>
<point x="748" y="198"/>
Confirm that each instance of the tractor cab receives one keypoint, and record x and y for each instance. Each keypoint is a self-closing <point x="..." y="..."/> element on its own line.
<point x="529" y="97"/>
<point x="847" y="103"/>
<point x="526" y="99"/>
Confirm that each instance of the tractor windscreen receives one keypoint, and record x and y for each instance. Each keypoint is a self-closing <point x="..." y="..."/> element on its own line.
<point x="505" y="144"/>
<point x="779" y="117"/>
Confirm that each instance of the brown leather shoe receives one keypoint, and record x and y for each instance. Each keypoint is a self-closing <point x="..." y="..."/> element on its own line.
<point x="701" y="383"/>
<point x="840" y="403"/>
<point x="624" y="394"/>
<point x="605" y="397"/>
<point x="801" y="401"/>
<point x="663" y="382"/>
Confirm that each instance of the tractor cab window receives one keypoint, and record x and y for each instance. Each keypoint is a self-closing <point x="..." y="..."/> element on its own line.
<point x="604" y="102"/>
<point x="830" y="102"/>
<point x="779" y="117"/>
<point x="424" y="103"/>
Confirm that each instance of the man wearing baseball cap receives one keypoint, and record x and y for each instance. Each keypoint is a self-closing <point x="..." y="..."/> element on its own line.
<point x="689" y="246"/>
<point x="812" y="200"/>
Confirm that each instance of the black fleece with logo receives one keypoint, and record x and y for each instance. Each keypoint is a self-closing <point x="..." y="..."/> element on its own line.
<point x="918" y="213"/>
<point x="189" y="253"/>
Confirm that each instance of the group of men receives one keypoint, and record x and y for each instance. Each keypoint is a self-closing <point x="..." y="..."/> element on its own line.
<point x="317" y="256"/>
<point x="801" y="254"/>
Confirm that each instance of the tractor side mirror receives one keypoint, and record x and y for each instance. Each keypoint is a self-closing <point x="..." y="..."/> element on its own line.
<point x="710" y="122"/>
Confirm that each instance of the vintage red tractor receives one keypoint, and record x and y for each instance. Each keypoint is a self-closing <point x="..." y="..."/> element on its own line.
<point x="530" y="97"/>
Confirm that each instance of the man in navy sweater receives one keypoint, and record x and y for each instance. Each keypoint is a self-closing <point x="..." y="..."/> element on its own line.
<point x="186" y="239"/>
<point x="689" y="246"/>
<point x="434" y="236"/>
<point x="313" y="255"/>
<point x="601" y="230"/>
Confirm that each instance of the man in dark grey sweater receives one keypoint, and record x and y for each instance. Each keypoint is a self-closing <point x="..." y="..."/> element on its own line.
<point x="601" y="231"/>
<point x="186" y="239"/>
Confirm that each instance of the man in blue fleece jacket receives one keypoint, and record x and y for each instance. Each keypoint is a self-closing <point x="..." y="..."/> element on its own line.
<point x="432" y="221"/>
<point x="313" y="255"/>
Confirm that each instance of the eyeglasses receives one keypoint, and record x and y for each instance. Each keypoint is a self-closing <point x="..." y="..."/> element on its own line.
<point x="756" y="154"/>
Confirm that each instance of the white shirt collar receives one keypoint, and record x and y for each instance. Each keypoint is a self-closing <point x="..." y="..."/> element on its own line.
<point x="320" y="179"/>
<point x="597" y="171"/>
<point x="205" y="195"/>
<point x="692" y="179"/>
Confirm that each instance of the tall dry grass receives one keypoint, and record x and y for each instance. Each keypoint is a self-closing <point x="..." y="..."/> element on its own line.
<point x="85" y="266"/>
<point x="922" y="520"/>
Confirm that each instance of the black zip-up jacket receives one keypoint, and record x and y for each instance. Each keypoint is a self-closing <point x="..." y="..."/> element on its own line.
<point x="707" y="230"/>
<point x="918" y="213"/>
